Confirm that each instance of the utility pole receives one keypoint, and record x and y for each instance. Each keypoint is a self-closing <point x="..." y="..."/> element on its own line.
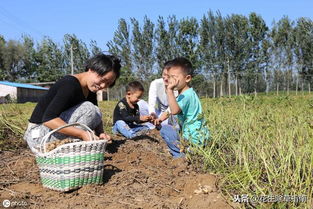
<point x="72" y="63"/>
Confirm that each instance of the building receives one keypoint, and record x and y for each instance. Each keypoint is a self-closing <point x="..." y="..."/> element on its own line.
<point x="20" y="92"/>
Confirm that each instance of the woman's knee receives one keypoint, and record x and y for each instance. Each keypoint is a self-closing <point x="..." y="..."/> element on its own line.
<point x="90" y="108"/>
<point x="86" y="113"/>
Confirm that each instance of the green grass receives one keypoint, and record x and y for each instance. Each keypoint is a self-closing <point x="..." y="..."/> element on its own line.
<point x="259" y="146"/>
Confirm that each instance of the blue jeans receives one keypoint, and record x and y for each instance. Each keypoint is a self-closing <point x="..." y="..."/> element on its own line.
<point x="129" y="132"/>
<point x="171" y="137"/>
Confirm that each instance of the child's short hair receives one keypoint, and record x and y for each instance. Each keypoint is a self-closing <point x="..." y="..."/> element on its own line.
<point x="134" y="86"/>
<point x="182" y="62"/>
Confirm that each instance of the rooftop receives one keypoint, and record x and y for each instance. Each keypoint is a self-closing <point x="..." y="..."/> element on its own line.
<point x="22" y="85"/>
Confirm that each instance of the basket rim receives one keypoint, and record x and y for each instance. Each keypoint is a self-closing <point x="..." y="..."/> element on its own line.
<point x="42" y="154"/>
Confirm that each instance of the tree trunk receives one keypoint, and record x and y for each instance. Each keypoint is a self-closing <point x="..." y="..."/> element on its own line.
<point x="239" y="87"/>
<point x="108" y="94"/>
<point x="214" y="86"/>
<point x="221" y="87"/>
<point x="255" y="85"/>
<point x="228" y="79"/>
<point x="266" y="81"/>
<point x="229" y="90"/>
<point x="297" y="84"/>
<point x="277" y="89"/>
<point x="309" y="88"/>
<point x="302" y="87"/>
<point x="236" y="85"/>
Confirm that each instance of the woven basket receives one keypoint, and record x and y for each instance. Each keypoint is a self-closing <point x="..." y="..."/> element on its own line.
<point x="71" y="166"/>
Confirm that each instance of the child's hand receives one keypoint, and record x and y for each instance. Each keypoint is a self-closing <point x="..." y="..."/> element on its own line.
<point x="145" y="118"/>
<point x="173" y="82"/>
<point x="157" y="122"/>
<point x="153" y="116"/>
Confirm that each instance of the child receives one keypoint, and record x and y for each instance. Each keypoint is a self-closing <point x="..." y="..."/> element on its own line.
<point x="186" y="106"/>
<point x="126" y="118"/>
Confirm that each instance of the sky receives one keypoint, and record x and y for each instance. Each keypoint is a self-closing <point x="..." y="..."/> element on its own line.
<point x="97" y="20"/>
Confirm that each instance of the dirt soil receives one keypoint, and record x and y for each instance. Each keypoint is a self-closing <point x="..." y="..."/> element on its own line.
<point x="138" y="174"/>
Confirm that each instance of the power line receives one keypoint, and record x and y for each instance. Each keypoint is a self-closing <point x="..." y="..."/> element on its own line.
<point x="18" y="22"/>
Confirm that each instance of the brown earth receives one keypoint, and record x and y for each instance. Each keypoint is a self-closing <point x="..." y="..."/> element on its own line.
<point x="138" y="174"/>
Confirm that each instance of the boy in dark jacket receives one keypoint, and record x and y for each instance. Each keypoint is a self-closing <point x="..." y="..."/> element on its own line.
<point x="126" y="118"/>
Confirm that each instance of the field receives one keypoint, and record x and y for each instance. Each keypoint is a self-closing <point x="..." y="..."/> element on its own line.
<point x="260" y="155"/>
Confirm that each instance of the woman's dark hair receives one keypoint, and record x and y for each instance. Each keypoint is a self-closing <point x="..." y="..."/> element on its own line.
<point x="102" y="64"/>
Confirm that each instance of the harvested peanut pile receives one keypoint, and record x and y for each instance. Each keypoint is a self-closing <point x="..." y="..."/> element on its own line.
<point x="138" y="174"/>
<point x="54" y="144"/>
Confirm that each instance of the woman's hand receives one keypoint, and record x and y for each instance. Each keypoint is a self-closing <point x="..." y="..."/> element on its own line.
<point x="106" y="137"/>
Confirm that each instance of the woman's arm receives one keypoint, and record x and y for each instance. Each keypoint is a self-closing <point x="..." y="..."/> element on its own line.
<point x="152" y="97"/>
<point x="71" y="131"/>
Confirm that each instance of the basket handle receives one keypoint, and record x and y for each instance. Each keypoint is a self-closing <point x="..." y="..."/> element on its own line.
<point x="45" y="138"/>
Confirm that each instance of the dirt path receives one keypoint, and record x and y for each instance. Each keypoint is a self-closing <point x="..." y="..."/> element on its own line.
<point x="138" y="174"/>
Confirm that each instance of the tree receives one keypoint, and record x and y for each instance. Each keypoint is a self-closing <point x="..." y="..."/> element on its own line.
<point x="80" y="52"/>
<point x="257" y="34"/>
<point x="188" y="40"/>
<point x="163" y="51"/>
<point x="208" y="48"/>
<point x="266" y="51"/>
<point x="237" y="47"/>
<point x="12" y="61"/>
<point x="142" y="41"/>
<point x="50" y="61"/>
<point x="220" y="41"/>
<point x="2" y="51"/>
<point x="29" y="59"/>
<point x="121" y="47"/>
<point x="173" y="30"/>
<point x="304" y="48"/>
<point x="283" y="40"/>
<point x="94" y="48"/>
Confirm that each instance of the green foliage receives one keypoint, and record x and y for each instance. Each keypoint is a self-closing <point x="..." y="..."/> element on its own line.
<point x="95" y="49"/>
<point x="121" y="46"/>
<point x="13" y="123"/>
<point x="260" y="146"/>
<point x="80" y="53"/>
<point x="49" y="59"/>
<point x="232" y="50"/>
<point x="142" y="41"/>
<point x="12" y="56"/>
<point x="304" y="46"/>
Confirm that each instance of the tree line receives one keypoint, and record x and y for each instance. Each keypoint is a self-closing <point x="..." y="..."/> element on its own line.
<point x="229" y="52"/>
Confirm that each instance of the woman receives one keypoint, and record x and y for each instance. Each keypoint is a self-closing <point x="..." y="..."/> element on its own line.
<point x="73" y="99"/>
<point x="158" y="103"/>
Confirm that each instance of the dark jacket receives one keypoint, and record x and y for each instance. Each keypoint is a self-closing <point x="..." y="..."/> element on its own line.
<point x="124" y="112"/>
